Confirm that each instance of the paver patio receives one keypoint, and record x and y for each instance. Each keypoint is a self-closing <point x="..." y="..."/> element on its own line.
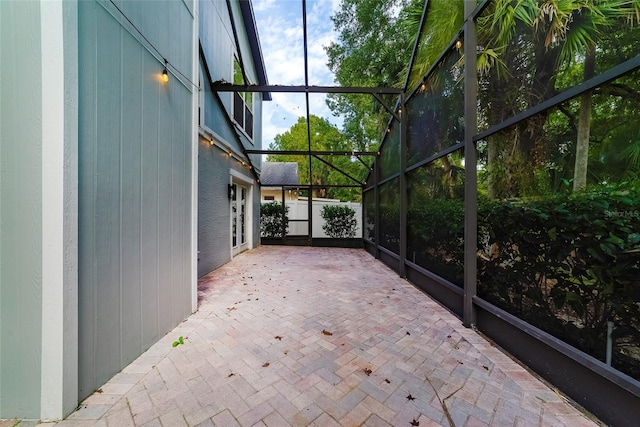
<point x="325" y="337"/>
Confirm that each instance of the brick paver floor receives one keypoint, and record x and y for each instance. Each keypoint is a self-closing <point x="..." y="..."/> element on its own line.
<point x="296" y="336"/>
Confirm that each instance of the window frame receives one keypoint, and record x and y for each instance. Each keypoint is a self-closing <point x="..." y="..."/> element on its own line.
<point x="242" y="105"/>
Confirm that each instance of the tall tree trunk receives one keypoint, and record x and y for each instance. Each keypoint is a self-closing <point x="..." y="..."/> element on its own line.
<point x="451" y="181"/>
<point x="584" y="124"/>
<point x="492" y="156"/>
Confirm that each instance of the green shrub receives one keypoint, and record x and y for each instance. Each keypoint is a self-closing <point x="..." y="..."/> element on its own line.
<point x="340" y="221"/>
<point x="567" y="264"/>
<point x="273" y="224"/>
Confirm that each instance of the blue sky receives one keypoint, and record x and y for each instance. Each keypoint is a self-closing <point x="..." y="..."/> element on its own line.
<point x="280" y="30"/>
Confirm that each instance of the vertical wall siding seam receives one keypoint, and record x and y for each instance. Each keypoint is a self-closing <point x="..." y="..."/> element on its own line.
<point x="121" y="195"/>
<point x="157" y="295"/>
<point x="94" y="271"/>
<point x="141" y="198"/>
<point x="171" y="229"/>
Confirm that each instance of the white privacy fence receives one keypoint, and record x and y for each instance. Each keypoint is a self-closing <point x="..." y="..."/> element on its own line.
<point x="299" y="210"/>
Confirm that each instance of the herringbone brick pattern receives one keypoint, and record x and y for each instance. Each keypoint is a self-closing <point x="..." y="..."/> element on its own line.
<point x="291" y="336"/>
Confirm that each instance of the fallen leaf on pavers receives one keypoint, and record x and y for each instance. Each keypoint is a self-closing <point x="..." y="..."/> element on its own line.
<point x="448" y="336"/>
<point x="286" y="351"/>
<point x="230" y="375"/>
<point x="386" y="380"/>
<point x="278" y="337"/>
<point x="367" y="371"/>
<point x="408" y="333"/>
<point x="230" y="308"/>
<point x="99" y="391"/>
<point x="460" y="362"/>
<point x="265" y="364"/>
<point x="485" y="367"/>
<point x="324" y="331"/>
<point x="414" y="422"/>
<point x="411" y="397"/>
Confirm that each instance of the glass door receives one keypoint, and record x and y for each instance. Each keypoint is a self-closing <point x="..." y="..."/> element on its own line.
<point x="238" y="218"/>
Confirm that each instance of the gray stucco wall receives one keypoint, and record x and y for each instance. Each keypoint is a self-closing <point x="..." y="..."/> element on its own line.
<point x="20" y="209"/>
<point x="214" y="176"/>
<point x="214" y="233"/>
<point x="134" y="182"/>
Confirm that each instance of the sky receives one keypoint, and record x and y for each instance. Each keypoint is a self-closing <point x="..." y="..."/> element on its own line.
<point x="279" y="25"/>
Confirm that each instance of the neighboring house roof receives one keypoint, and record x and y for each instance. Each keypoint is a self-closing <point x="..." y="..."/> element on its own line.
<point x="279" y="173"/>
<point x="254" y="41"/>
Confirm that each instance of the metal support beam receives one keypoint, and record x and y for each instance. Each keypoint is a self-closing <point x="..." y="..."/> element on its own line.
<point x="376" y="209"/>
<point x="386" y="107"/>
<point x="339" y="170"/>
<point x="470" y="170"/>
<point x="306" y="83"/>
<point x="222" y="86"/>
<point x="312" y="153"/>
<point x="403" y="187"/>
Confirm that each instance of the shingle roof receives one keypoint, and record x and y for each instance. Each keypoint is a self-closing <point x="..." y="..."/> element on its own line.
<point x="279" y="173"/>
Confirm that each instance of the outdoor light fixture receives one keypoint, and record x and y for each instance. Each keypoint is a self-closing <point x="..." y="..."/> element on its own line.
<point x="232" y="192"/>
<point x="211" y="141"/>
<point x="165" y="73"/>
<point x="458" y="44"/>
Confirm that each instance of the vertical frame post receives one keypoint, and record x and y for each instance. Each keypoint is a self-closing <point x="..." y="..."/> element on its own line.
<point x="470" y="157"/>
<point x="376" y="206"/>
<point x="403" y="185"/>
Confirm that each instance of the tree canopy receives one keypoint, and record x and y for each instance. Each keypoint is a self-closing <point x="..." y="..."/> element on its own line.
<point x="324" y="137"/>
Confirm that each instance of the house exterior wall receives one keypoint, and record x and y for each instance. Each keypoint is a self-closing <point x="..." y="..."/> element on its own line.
<point x="135" y="179"/>
<point x="216" y="169"/>
<point x="214" y="233"/>
<point x="38" y="206"/>
<point x="21" y="208"/>
<point x="274" y="194"/>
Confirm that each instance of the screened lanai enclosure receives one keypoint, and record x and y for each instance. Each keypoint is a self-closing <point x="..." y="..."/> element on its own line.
<point x="507" y="185"/>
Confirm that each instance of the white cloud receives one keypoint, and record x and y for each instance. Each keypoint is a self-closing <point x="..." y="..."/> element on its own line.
<point x="281" y="35"/>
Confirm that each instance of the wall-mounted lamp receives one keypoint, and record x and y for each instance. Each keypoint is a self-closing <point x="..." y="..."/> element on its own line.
<point x="232" y="192"/>
<point x="458" y="44"/>
<point x="165" y="73"/>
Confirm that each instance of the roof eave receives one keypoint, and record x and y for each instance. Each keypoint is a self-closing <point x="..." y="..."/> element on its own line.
<point x="248" y="17"/>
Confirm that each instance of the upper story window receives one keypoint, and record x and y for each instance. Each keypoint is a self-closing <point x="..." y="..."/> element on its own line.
<point x="242" y="102"/>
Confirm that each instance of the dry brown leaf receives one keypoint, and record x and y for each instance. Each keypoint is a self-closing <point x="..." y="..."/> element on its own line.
<point x="265" y="364"/>
<point x="410" y="397"/>
<point x="324" y="331"/>
<point x="415" y="423"/>
<point x="278" y="337"/>
<point x="367" y="371"/>
<point x="387" y="381"/>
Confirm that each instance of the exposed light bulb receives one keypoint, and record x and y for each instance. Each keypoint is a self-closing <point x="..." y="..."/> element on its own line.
<point x="165" y="76"/>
